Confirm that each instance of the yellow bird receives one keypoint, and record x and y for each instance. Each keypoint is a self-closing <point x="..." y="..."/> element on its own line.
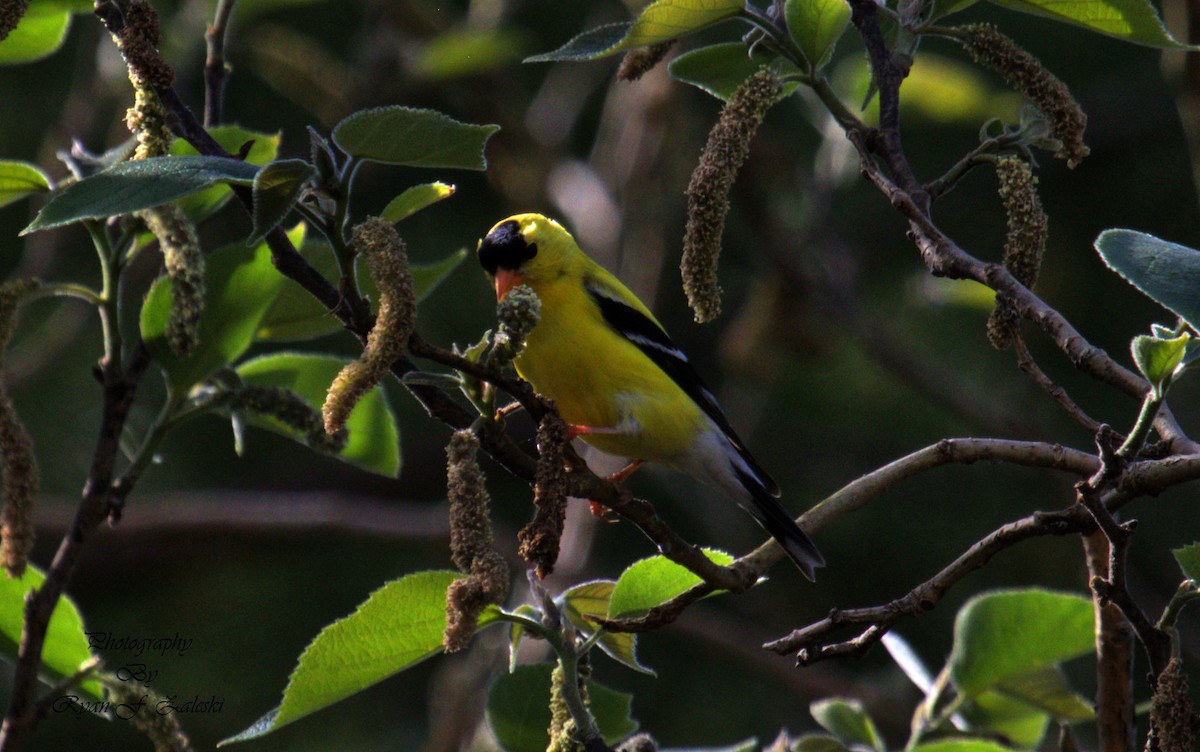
<point x="619" y="381"/>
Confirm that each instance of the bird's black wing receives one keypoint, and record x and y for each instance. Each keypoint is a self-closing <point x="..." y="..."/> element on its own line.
<point x="650" y="338"/>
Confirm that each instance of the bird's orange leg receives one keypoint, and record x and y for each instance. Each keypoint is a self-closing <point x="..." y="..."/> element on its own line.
<point x="604" y="513"/>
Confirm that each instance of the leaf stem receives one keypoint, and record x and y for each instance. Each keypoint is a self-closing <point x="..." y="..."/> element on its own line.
<point x="68" y="290"/>
<point x="1145" y="421"/>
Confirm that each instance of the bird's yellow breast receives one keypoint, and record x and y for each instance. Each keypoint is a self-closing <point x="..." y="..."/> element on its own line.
<point x="601" y="380"/>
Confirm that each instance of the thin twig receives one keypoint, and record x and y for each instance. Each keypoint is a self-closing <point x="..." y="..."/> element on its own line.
<point x="215" y="68"/>
<point x="813" y="643"/>
<point x="1114" y="658"/>
<point x="864" y="490"/>
<point x="1027" y="364"/>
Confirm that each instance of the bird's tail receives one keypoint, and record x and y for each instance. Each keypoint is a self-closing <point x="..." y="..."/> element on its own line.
<point x="768" y="512"/>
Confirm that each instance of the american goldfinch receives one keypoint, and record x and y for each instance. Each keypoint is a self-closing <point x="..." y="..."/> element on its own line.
<point x="619" y="381"/>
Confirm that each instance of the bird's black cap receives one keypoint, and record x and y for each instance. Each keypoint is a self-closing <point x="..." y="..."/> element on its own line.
<point x="505" y="247"/>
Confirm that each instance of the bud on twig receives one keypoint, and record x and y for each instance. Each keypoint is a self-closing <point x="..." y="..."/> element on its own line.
<point x="1025" y="73"/>
<point x="387" y="260"/>
<point x="708" y="192"/>
<point x="20" y="481"/>
<point x="1025" y="243"/>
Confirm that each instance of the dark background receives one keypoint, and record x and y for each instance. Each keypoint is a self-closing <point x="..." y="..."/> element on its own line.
<point x="836" y="354"/>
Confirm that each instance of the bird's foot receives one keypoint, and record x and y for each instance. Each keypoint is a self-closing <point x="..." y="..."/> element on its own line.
<point x="601" y="512"/>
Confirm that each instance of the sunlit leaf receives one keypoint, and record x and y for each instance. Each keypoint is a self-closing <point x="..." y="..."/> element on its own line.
<point x="66" y="647"/>
<point x="400" y="625"/>
<point x="719" y="68"/>
<point x="518" y="709"/>
<point x="660" y="21"/>
<point x="240" y="283"/>
<point x="233" y="139"/>
<point x="296" y="315"/>
<point x="20" y="179"/>
<point x="41" y="32"/>
<point x="590" y="599"/>
<point x="649" y="582"/>
<point x="374" y="442"/>
<point x="414" y="200"/>
<point x="816" y="25"/>
<point x="1189" y="560"/>
<point x="848" y="721"/>
<point x="1158" y="358"/>
<point x="1008" y="633"/>
<point x="1134" y="21"/>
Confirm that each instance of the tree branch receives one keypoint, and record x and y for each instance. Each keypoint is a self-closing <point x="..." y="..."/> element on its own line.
<point x="215" y="68"/>
<point x="816" y="642"/>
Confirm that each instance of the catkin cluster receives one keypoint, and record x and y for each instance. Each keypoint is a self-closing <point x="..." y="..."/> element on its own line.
<point x="470" y="543"/>
<point x="19" y="483"/>
<point x="291" y="410"/>
<point x="562" y="726"/>
<point x="11" y="12"/>
<point x="518" y="314"/>
<point x="1025" y="73"/>
<point x="184" y="263"/>
<point x="1025" y="242"/>
<point x="1171" y="714"/>
<point x="708" y="192"/>
<point x="387" y="260"/>
<point x="641" y="61"/>
<point x="540" y="538"/>
<point x="137" y="703"/>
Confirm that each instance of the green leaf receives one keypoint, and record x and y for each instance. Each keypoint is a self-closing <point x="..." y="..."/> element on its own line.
<point x="240" y="283"/>
<point x="660" y="21"/>
<point x="518" y="709"/>
<point x="720" y="68"/>
<point x="1007" y="633"/>
<point x="20" y="179"/>
<point x="589" y="45"/>
<point x="66" y="647"/>
<point x="1167" y="272"/>
<point x="414" y="137"/>
<point x="141" y="184"/>
<point x="277" y="188"/>
<point x="961" y="745"/>
<point x="1158" y="358"/>
<point x="40" y="33"/>
<point x="400" y="625"/>
<point x="847" y="720"/>
<point x="1130" y="20"/>
<point x="818" y="743"/>
<point x="414" y="200"/>
<point x="1189" y="560"/>
<point x="589" y="599"/>
<point x="232" y="138"/>
<point x="374" y="441"/>
<point x="649" y="582"/>
<point x="467" y="51"/>
<point x="815" y="26"/>
<point x="943" y="8"/>
<point x="297" y="315"/>
<point x="1048" y="690"/>
<point x="993" y="712"/>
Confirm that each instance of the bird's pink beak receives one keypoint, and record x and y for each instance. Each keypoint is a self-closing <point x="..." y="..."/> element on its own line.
<point x="505" y="280"/>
